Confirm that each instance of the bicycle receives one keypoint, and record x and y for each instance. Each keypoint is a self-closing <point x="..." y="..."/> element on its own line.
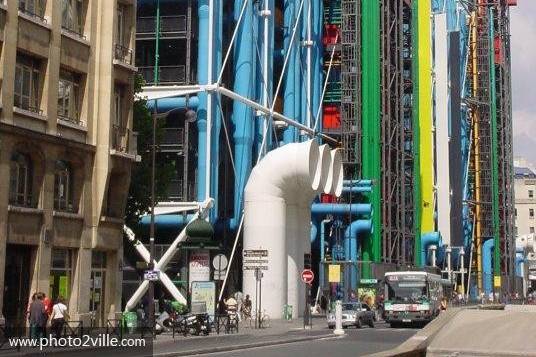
<point x="263" y="319"/>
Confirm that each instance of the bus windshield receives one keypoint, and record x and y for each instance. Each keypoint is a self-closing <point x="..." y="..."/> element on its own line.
<point x="407" y="291"/>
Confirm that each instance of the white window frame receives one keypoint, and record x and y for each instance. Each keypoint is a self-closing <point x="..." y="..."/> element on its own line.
<point x="68" y="107"/>
<point x="27" y="98"/>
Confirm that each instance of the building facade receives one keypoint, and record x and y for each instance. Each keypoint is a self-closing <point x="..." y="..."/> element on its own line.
<point x="66" y="149"/>
<point x="525" y="200"/>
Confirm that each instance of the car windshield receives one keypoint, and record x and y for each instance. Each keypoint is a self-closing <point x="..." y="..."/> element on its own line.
<point x="349" y="306"/>
<point x="406" y="291"/>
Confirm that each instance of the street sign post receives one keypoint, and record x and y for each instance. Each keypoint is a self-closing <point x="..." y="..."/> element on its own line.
<point x="307" y="277"/>
<point x="256" y="260"/>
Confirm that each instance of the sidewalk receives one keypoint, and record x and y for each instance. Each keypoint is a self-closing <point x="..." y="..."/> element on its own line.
<point x="279" y="332"/>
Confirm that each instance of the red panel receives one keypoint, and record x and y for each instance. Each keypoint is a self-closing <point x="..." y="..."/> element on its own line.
<point x="327" y="198"/>
<point x="330" y="35"/>
<point x="331" y="118"/>
<point x="499" y="58"/>
<point x="512" y="2"/>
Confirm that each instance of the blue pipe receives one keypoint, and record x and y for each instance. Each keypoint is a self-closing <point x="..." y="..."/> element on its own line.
<point x="202" y="65"/>
<point x="244" y="85"/>
<point x="519" y="260"/>
<point x="167" y="221"/>
<point x="487" y="265"/>
<point x="289" y="94"/>
<point x="314" y="231"/>
<point x="351" y="246"/>
<point x="357" y="189"/>
<point x="428" y="239"/>
<point x="168" y="104"/>
<point x="318" y="53"/>
<point x="322" y="249"/>
<point x="318" y="209"/>
<point x="216" y="127"/>
<point x="262" y="82"/>
<point x="357" y="183"/>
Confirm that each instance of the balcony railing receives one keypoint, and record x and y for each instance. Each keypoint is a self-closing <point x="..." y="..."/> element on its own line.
<point x="172" y="140"/>
<point x="69" y="119"/>
<point x="73" y="31"/>
<point x="123" y="54"/>
<point x="124" y="140"/>
<point x="175" y="191"/>
<point x="36" y="11"/>
<point x="170" y="26"/>
<point x="166" y="74"/>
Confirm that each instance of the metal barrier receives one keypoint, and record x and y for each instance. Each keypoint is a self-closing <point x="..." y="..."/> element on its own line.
<point x="73" y="328"/>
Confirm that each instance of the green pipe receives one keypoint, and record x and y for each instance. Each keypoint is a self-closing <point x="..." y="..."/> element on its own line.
<point x="157" y="44"/>
<point x="494" y="149"/>
<point x="415" y="125"/>
<point x="371" y="120"/>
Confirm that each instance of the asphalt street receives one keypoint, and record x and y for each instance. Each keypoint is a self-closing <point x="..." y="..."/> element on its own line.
<point x="356" y="342"/>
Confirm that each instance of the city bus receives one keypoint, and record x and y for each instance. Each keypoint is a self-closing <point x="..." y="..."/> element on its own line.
<point x="414" y="297"/>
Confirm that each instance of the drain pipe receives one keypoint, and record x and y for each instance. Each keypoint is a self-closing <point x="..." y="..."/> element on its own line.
<point x="244" y="85"/>
<point x="351" y="247"/>
<point x="487" y="266"/>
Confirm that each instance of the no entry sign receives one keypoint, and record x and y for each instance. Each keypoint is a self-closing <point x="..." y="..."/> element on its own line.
<point x="307" y="276"/>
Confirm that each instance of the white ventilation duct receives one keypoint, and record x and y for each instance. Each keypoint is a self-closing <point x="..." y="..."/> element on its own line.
<point x="277" y="215"/>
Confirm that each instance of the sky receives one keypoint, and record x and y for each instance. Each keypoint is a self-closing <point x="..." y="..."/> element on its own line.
<point x="523" y="46"/>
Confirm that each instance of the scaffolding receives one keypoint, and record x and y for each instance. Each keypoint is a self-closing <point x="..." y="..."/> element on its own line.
<point x="350" y="87"/>
<point x="505" y="157"/>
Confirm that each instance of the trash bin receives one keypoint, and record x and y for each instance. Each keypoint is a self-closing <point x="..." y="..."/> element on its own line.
<point x="130" y="321"/>
<point x="287" y="312"/>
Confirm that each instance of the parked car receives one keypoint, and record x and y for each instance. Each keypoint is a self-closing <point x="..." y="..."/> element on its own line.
<point x="353" y="314"/>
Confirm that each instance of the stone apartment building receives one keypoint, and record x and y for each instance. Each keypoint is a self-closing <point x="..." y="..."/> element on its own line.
<point x="525" y="199"/>
<point x="66" y="149"/>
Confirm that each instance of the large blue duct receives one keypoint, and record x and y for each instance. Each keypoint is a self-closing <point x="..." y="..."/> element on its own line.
<point x="318" y="53"/>
<point x="244" y="85"/>
<point x="357" y="189"/>
<point x="487" y="265"/>
<point x="335" y="209"/>
<point x="428" y="239"/>
<point x="167" y="104"/>
<point x="351" y="247"/>
<point x="167" y="221"/>
<point x="357" y="182"/>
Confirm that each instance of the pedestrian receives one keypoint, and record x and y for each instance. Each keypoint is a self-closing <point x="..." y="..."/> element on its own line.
<point x="38" y="317"/>
<point x="59" y="316"/>
<point x="246" y="307"/>
<point x="443" y="306"/>
<point x="239" y="300"/>
<point x="48" y="304"/>
<point x="323" y="303"/>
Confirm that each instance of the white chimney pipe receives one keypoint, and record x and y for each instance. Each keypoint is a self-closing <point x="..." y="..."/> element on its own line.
<point x="277" y="198"/>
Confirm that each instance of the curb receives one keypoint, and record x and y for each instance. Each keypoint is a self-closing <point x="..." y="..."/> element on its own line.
<point x="243" y="346"/>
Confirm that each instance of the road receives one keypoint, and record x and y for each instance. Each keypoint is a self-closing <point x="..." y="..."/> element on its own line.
<point x="355" y="343"/>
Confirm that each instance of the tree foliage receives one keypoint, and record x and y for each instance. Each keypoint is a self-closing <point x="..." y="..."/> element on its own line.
<point x="139" y="197"/>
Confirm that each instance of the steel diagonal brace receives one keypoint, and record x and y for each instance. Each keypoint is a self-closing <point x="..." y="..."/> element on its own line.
<point x="164" y="261"/>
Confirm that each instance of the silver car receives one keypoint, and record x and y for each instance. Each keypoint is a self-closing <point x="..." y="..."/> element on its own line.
<point x="353" y="314"/>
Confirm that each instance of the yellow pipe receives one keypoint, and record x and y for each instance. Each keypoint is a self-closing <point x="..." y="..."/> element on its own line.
<point x="425" y="116"/>
<point x="477" y="228"/>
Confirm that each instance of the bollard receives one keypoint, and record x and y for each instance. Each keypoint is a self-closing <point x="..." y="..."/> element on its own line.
<point x="338" y="318"/>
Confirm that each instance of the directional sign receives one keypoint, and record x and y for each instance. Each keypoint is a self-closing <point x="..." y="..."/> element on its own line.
<point x="219" y="274"/>
<point x="151" y="275"/>
<point x="255" y="259"/>
<point x="307" y="276"/>
<point x="255" y="253"/>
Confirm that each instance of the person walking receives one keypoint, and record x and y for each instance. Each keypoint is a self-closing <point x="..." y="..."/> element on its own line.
<point x="59" y="316"/>
<point x="38" y="317"/>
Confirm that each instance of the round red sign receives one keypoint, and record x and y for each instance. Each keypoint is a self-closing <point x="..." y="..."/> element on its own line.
<point x="307" y="276"/>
